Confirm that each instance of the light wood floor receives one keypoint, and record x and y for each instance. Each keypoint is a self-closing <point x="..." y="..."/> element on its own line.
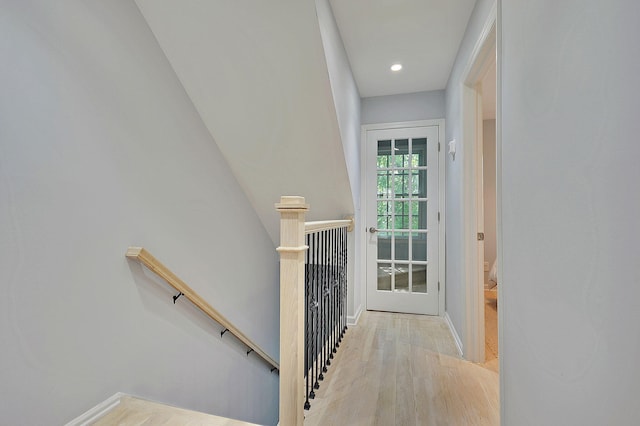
<point x="399" y="369"/>
<point x="135" y="412"/>
<point x="491" y="329"/>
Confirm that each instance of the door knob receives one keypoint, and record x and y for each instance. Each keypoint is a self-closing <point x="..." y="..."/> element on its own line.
<point x="373" y="230"/>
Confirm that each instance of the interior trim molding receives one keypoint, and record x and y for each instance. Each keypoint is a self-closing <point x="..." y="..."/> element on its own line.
<point x="353" y="319"/>
<point x="454" y="333"/>
<point x="98" y="411"/>
<point x="484" y="47"/>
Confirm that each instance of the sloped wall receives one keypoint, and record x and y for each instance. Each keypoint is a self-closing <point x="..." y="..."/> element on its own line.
<point x="101" y="148"/>
<point x="257" y="74"/>
<point x="346" y="100"/>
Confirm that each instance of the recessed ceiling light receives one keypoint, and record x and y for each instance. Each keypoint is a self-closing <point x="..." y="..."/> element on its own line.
<point x="396" y="67"/>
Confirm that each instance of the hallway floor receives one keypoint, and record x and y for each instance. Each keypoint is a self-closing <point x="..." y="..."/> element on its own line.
<point x="400" y="369"/>
<point x="132" y="411"/>
<point x="491" y="329"/>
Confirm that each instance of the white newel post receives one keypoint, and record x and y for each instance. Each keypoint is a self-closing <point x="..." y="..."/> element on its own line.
<point x="292" y="257"/>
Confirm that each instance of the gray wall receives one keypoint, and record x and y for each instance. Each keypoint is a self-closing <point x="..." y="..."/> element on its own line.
<point x="100" y="148"/>
<point x="489" y="191"/>
<point x="570" y="209"/>
<point x="455" y="270"/>
<point x="256" y="72"/>
<point x="405" y="107"/>
<point x="347" y="106"/>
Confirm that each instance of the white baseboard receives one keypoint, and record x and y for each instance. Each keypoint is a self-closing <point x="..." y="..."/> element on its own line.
<point x="98" y="411"/>
<point x="454" y="333"/>
<point x="353" y="320"/>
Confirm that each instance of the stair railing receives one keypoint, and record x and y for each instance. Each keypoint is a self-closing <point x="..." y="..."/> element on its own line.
<point x="144" y="257"/>
<point x="313" y="303"/>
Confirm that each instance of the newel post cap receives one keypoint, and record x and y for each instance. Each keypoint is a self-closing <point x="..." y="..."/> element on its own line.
<point x="292" y="203"/>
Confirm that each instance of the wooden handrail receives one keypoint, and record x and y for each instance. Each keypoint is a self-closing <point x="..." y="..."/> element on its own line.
<point x="145" y="258"/>
<point x="325" y="225"/>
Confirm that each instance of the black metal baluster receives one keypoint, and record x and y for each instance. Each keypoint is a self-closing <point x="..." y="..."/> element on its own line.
<point x="331" y="289"/>
<point x="343" y="300"/>
<point x="343" y="281"/>
<point x="307" y="337"/>
<point x="316" y="287"/>
<point x="321" y="307"/>
<point x="344" y="268"/>
<point x="312" y="247"/>
<point x="322" y="304"/>
<point x="314" y="259"/>
<point x="342" y="275"/>
<point x="329" y="301"/>
<point x="331" y="298"/>
<point x="314" y="313"/>
<point x="334" y="288"/>
<point x="338" y="287"/>
<point x="326" y="348"/>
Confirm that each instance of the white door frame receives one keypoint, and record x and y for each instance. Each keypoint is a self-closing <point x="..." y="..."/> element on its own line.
<point x="479" y="61"/>
<point x="441" y="200"/>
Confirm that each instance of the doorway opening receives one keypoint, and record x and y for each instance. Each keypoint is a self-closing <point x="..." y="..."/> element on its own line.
<point x="402" y="198"/>
<point x="490" y="278"/>
<point x="481" y="235"/>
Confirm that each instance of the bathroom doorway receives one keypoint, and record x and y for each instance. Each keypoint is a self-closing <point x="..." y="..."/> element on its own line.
<point x="480" y="81"/>
<point x="490" y="279"/>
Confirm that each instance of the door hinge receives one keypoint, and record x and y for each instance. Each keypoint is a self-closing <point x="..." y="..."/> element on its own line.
<point x="438" y="216"/>
<point x="438" y="146"/>
<point x="480" y="236"/>
<point x="438" y="285"/>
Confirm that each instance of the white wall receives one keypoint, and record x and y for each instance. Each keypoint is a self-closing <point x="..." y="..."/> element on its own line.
<point x="489" y="191"/>
<point x="404" y="107"/>
<point x="100" y="148"/>
<point x="345" y="92"/>
<point x="455" y="270"/>
<point x="347" y="107"/>
<point x="570" y="208"/>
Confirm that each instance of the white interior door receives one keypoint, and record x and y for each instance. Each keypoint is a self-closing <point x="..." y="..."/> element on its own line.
<point x="402" y="220"/>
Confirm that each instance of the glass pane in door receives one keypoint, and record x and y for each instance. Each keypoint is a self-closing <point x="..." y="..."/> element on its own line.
<point x="385" y="276"/>
<point x="402" y="215"/>
<point x="402" y="278"/>
<point x="419" y="278"/>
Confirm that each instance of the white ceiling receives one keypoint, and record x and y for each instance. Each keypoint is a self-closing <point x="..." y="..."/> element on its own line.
<point x="423" y="35"/>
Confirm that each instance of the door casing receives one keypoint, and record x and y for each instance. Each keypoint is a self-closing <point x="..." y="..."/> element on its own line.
<point x="484" y="51"/>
